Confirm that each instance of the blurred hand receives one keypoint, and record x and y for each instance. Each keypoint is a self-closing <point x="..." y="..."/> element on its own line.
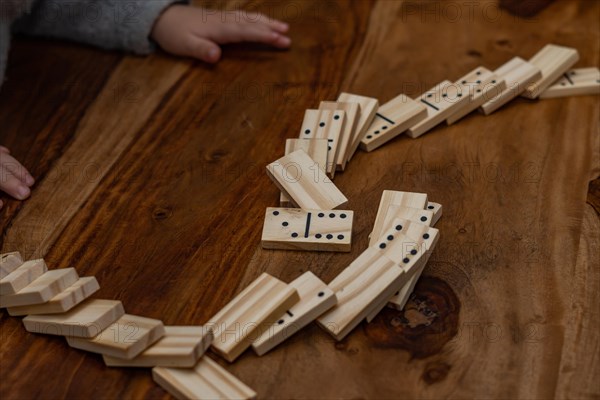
<point x="196" y="32"/>
<point x="15" y="180"/>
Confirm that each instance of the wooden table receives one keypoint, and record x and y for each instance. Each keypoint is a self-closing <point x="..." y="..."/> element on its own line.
<point x="151" y="176"/>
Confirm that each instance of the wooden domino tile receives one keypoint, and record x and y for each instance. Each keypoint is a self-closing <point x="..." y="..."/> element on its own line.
<point x="246" y="317"/>
<point x="552" y="61"/>
<point x="181" y="346"/>
<point x="22" y="276"/>
<point x="315" y="148"/>
<point x="415" y="240"/>
<point x="305" y="183"/>
<point x="325" y="124"/>
<point x="86" y="320"/>
<point x="125" y="338"/>
<point x="436" y="208"/>
<point x="576" y="82"/>
<point x="482" y="85"/>
<point x="368" y="109"/>
<point x="391" y="119"/>
<point x="368" y="280"/>
<point x="316" y="230"/>
<point x="366" y="285"/>
<point x="9" y="262"/>
<point x="62" y="302"/>
<point x="518" y="74"/>
<point x="315" y="298"/>
<point x="420" y="215"/>
<point x="441" y="101"/>
<point x="352" y="111"/>
<point x="206" y="381"/>
<point x="42" y="289"/>
<point x="398" y="301"/>
<point x="396" y="198"/>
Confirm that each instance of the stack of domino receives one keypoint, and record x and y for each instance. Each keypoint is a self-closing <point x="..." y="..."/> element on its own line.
<point x="58" y="302"/>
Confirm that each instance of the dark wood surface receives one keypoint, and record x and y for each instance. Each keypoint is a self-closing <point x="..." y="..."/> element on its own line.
<point x="151" y="177"/>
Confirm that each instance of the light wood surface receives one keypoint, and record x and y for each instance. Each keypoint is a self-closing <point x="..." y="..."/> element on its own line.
<point x="41" y="290"/>
<point x="180" y="347"/>
<point x="206" y="381"/>
<point x="392" y="119"/>
<point x="22" y="276"/>
<point x="326" y="124"/>
<point x="247" y="315"/>
<point x="441" y="101"/>
<point x="87" y="320"/>
<point x="352" y="112"/>
<point x="482" y="85"/>
<point x="313" y="230"/>
<point x="9" y="262"/>
<point x="305" y="183"/>
<point x="315" y="299"/>
<point x="576" y="82"/>
<point x="518" y="75"/>
<point x="553" y="61"/>
<point x="64" y="301"/>
<point x="316" y="149"/>
<point x="150" y="176"/>
<point x="126" y="338"/>
<point x="368" y="109"/>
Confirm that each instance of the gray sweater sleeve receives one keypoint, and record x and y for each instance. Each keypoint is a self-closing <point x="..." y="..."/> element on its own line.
<point x="9" y="11"/>
<point x="110" y="24"/>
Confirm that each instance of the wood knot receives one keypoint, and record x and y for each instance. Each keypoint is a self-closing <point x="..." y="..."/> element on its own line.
<point x="161" y="213"/>
<point x="429" y="320"/>
<point x="216" y="156"/>
<point x="341" y="345"/>
<point x="435" y="372"/>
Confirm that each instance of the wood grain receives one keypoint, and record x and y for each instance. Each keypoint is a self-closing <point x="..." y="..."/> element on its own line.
<point x="506" y="307"/>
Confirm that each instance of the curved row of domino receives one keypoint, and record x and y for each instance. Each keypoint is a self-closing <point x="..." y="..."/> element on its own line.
<point x="268" y="311"/>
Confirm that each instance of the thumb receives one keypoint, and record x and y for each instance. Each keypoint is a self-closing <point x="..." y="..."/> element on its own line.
<point x="205" y="50"/>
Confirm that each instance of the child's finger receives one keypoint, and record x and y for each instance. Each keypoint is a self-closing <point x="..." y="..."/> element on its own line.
<point x="204" y="50"/>
<point x="4" y="150"/>
<point x="10" y="164"/>
<point x="12" y="185"/>
<point x="1" y="204"/>
<point x="252" y="33"/>
<point x="258" y="18"/>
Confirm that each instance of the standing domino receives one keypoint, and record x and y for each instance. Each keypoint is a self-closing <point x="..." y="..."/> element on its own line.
<point x="368" y="108"/>
<point x="352" y="111"/>
<point x="325" y="124"/>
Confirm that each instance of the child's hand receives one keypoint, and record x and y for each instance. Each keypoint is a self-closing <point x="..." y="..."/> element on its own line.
<point x="15" y="180"/>
<point x="196" y="32"/>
